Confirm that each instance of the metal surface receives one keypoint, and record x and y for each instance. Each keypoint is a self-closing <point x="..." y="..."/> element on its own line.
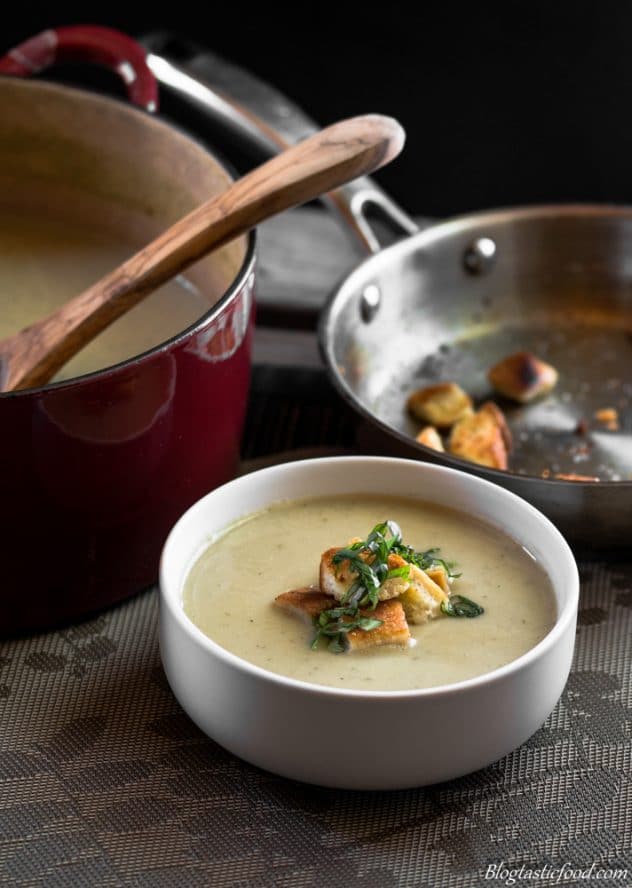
<point x="449" y="301"/>
<point x="560" y="286"/>
<point x="228" y="94"/>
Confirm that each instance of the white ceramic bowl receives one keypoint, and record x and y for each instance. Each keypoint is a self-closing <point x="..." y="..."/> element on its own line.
<point x="364" y="739"/>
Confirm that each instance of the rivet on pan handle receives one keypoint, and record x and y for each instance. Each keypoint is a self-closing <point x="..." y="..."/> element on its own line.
<point x="262" y="117"/>
<point x="87" y="43"/>
<point x="370" y="302"/>
<point x="479" y="257"/>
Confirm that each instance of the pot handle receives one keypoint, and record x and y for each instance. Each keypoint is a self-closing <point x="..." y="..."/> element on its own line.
<point x="261" y="117"/>
<point x="87" y="43"/>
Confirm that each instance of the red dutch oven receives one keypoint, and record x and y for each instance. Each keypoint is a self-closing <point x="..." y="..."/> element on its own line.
<point x="95" y="470"/>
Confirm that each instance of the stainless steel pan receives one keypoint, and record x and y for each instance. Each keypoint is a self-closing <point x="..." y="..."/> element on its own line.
<point x="448" y="301"/>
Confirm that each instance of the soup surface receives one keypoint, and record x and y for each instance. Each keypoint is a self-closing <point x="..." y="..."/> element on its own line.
<point x="46" y="261"/>
<point x="230" y="589"/>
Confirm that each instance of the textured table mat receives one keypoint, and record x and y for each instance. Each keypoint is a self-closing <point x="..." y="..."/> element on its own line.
<point x="105" y="781"/>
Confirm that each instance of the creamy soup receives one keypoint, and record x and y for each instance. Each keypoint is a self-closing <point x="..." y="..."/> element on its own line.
<point x="46" y="261"/>
<point x="229" y="593"/>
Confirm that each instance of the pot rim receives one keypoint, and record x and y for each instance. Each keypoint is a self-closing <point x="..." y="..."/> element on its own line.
<point x="235" y="287"/>
<point x="426" y="235"/>
<point x="173" y="610"/>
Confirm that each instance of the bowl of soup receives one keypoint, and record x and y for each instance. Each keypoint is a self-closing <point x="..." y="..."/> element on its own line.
<point x="96" y="466"/>
<point x="455" y="685"/>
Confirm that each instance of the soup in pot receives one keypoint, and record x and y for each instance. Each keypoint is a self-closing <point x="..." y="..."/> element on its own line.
<point x="45" y="261"/>
<point x="230" y="593"/>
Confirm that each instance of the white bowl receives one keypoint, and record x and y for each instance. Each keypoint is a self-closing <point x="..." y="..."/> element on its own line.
<point x="357" y="739"/>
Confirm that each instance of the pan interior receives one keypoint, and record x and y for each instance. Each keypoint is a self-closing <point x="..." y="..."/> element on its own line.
<point x="560" y="286"/>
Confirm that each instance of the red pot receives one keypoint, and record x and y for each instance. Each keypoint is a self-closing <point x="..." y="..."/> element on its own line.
<point x="95" y="470"/>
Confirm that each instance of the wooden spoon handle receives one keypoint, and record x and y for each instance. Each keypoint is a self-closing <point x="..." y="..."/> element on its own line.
<point x="326" y="160"/>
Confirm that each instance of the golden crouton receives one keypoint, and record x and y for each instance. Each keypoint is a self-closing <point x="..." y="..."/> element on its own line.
<point x="440" y="405"/>
<point x="431" y="438"/>
<point x="335" y="579"/>
<point x="608" y="417"/>
<point x="494" y="414"/>
<point x="423" y="597"/>
<point x="394" y="628"/>
<point x="483" y="437"/>
<point x="522" y="377"/>
<point x="439" y="576"/>
<point x="308" y="602"/>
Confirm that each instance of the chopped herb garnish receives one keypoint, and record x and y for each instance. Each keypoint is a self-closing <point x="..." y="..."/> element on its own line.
<point x="426" y="560"/>
<point x="460" y="606"/>
<point x="372" y="569"/>
<point x="399" y="572"/>
<point x="368" y="560"/>
<point x="333" y="625"/>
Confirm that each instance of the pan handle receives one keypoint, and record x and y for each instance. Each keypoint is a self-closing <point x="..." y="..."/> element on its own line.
<point x="259" y="116"/>
<point x="87" y="43"/>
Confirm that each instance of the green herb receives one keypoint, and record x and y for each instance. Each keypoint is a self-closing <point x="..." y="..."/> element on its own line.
<point x="331" y="624"/>
<point x="399" y="572"/>
<point x="460" y="606"/>
<point x="380" y="543"/>
<point x="426" y="560"/>
<point x="368" y="560"/>
<point x="336" y="622"/>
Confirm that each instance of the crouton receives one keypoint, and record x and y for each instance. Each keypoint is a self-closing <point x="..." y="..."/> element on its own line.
<point x="483" y="437"/>
<point x="420" y="593"/>
<point x="494" y="414"/>
<point x="305" y="603"/>
<point x="308" y="602"/>
<point x="439" y="576"/>
<point x="608" y="417"/>
<point x="423" y="597"/>
<point x="522" y="377"/>
<point x="394" y="629"/>
<point x="431" y="438"/>
<point x="336" y="579"/>
<point x="440" y="405"/>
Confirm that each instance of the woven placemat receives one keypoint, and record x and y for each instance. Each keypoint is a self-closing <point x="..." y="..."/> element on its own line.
<point x="105" y="781"/>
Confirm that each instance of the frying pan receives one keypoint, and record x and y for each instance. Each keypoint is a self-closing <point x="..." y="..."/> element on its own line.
<point x="448" y="301"/>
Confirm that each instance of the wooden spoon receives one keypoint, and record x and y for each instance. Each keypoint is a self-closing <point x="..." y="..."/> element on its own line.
<point x="325" y="161"/>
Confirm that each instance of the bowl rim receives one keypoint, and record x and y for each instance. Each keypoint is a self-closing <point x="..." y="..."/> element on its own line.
<point x="170" y="591"/>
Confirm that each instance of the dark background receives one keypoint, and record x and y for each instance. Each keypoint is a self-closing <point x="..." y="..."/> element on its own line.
<point x="503" y="103"/>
